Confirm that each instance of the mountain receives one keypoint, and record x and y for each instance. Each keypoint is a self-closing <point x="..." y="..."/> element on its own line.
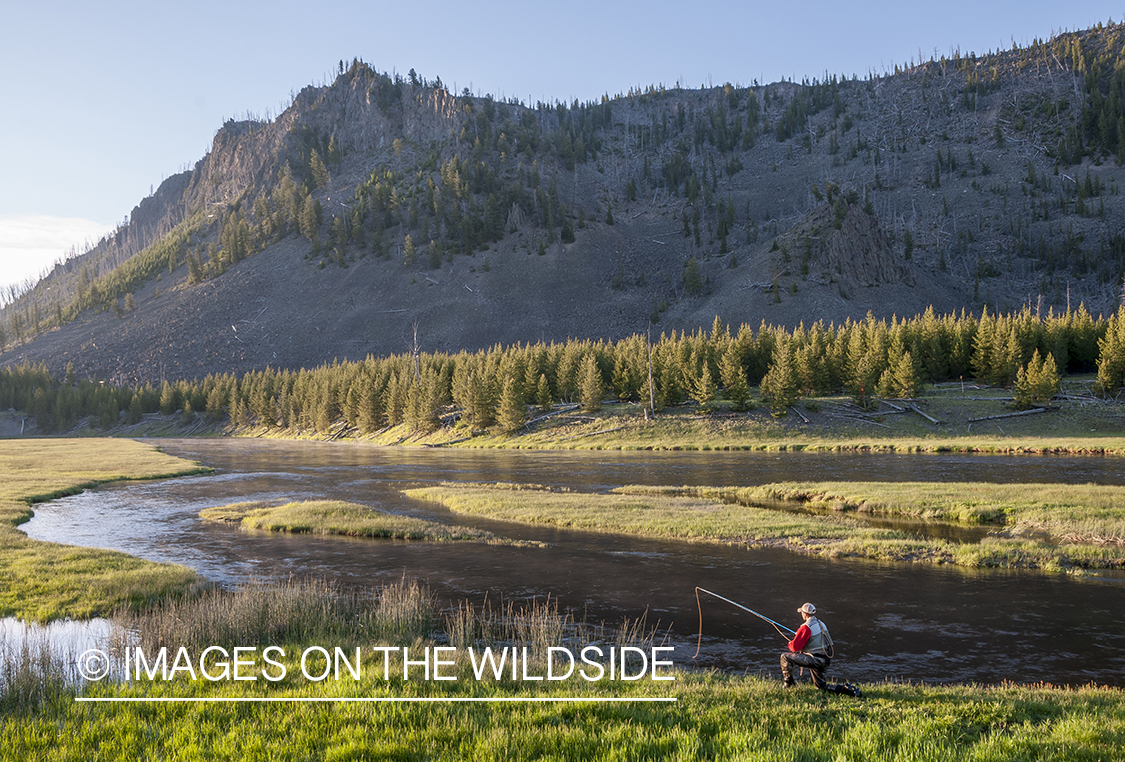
<point x="378" y="211"/>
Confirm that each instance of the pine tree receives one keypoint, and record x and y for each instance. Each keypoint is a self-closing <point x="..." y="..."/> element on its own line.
<point x="1111" y="356"/>
<point x="1037" y="382"/>
<point x="479" y="406"/>
<point x="136" y="413"/>
<point x="409" y="256"/>
<point x="396" y="400"/>
<point x="168" y="399"/>
<point x="780" y="384"/>
<point x="669" y="381"/>
<point x="186" y="417"/>
<point x="309" y="218"/>
<point x="238" y="414"/>
<point x="421" y="404"/>
<point x="318" y="171"/>
<point x="866" y="360"/>
<point x="982" y="360"/>
<point x="543" y="393"/>
<point x="369" y="413"/>
<point x="701" y="382"/>
<point x="591" y="386"/>
<point x="195" y="269"/>
<point x="692" y="278"/>
<point x="733" y="375"/>
<point x="512" y="412"/>
<point x="216" y="402"/>
<point x="900" y="380"/>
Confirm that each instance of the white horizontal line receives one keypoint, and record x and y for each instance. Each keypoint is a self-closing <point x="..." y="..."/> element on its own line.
<point x="370" y="699"/>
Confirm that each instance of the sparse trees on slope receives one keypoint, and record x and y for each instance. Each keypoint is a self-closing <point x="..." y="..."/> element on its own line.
<point x="318" y="171"/>
<point x="310" y="217"/>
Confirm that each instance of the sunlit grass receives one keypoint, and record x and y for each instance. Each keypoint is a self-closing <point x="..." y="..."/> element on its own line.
<point x="335" y="517"/>
<point x="1073" y="427"/>
<point x="1091" y="513"/>
<point x="717" y="515"/>
<point x="42" y="580"/>
<point x="715" y="716"/>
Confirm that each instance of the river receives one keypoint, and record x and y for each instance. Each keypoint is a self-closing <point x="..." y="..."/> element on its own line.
<point x="917" y="623"/>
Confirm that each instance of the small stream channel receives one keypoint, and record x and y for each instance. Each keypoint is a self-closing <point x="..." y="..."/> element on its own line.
<point x="889" y="621"/>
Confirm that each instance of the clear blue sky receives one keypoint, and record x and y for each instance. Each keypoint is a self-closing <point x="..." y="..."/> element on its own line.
<point x="101" y="101"/>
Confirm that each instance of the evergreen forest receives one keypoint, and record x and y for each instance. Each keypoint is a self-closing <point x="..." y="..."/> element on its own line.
<point x="501" y="389"/>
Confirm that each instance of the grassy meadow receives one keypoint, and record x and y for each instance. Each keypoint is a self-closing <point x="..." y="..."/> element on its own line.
<point x="41" y="580"/>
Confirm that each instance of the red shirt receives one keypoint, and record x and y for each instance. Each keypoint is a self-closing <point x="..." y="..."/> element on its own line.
<point x="801" y="639"/>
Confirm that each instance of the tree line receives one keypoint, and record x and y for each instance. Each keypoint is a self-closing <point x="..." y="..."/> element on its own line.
<point x="501" y="388"/>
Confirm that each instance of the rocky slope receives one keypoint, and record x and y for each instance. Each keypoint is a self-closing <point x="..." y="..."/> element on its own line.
<point x="956" y="183"/>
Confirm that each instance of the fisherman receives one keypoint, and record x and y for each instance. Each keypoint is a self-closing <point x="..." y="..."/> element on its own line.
<point x="810" y="647"/>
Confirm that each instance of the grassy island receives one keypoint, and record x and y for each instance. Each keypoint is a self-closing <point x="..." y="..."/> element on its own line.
<point x="335" y="517"/>
<point x="1054" y="527"/>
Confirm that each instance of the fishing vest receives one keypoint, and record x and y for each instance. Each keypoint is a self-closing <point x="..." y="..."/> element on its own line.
<point x="819" y="639"/>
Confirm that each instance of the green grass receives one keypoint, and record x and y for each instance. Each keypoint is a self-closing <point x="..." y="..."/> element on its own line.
<point x="42" y="580"/>
<point x="715" y="717"/>
<point x="1090" y="513"/>
<point x="714" y="515"/>
<point x="335" y="517"/>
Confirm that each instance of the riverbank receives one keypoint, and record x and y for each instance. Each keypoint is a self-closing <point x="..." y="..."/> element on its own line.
<point x="1062" y="528"/>
<point x="43" y="580"/>
<point x="379" y="707"/>
<point x="947" y="418"/>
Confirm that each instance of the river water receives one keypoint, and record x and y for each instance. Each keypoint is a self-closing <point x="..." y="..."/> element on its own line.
<point x="916" y="623"/>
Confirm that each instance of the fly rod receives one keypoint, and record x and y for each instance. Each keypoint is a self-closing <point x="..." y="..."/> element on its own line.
<point x="698" y="590"/>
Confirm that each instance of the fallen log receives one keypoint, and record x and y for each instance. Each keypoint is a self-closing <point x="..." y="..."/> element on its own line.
<point x="560" y="411"/>
<point x="1033" y="411"/>
<point x="929" y="418"/>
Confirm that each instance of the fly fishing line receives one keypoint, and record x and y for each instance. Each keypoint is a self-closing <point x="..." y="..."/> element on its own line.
<point x="781" y="629"/>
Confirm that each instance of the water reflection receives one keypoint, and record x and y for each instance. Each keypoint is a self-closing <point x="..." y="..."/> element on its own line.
<point x="889" y="620"/>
